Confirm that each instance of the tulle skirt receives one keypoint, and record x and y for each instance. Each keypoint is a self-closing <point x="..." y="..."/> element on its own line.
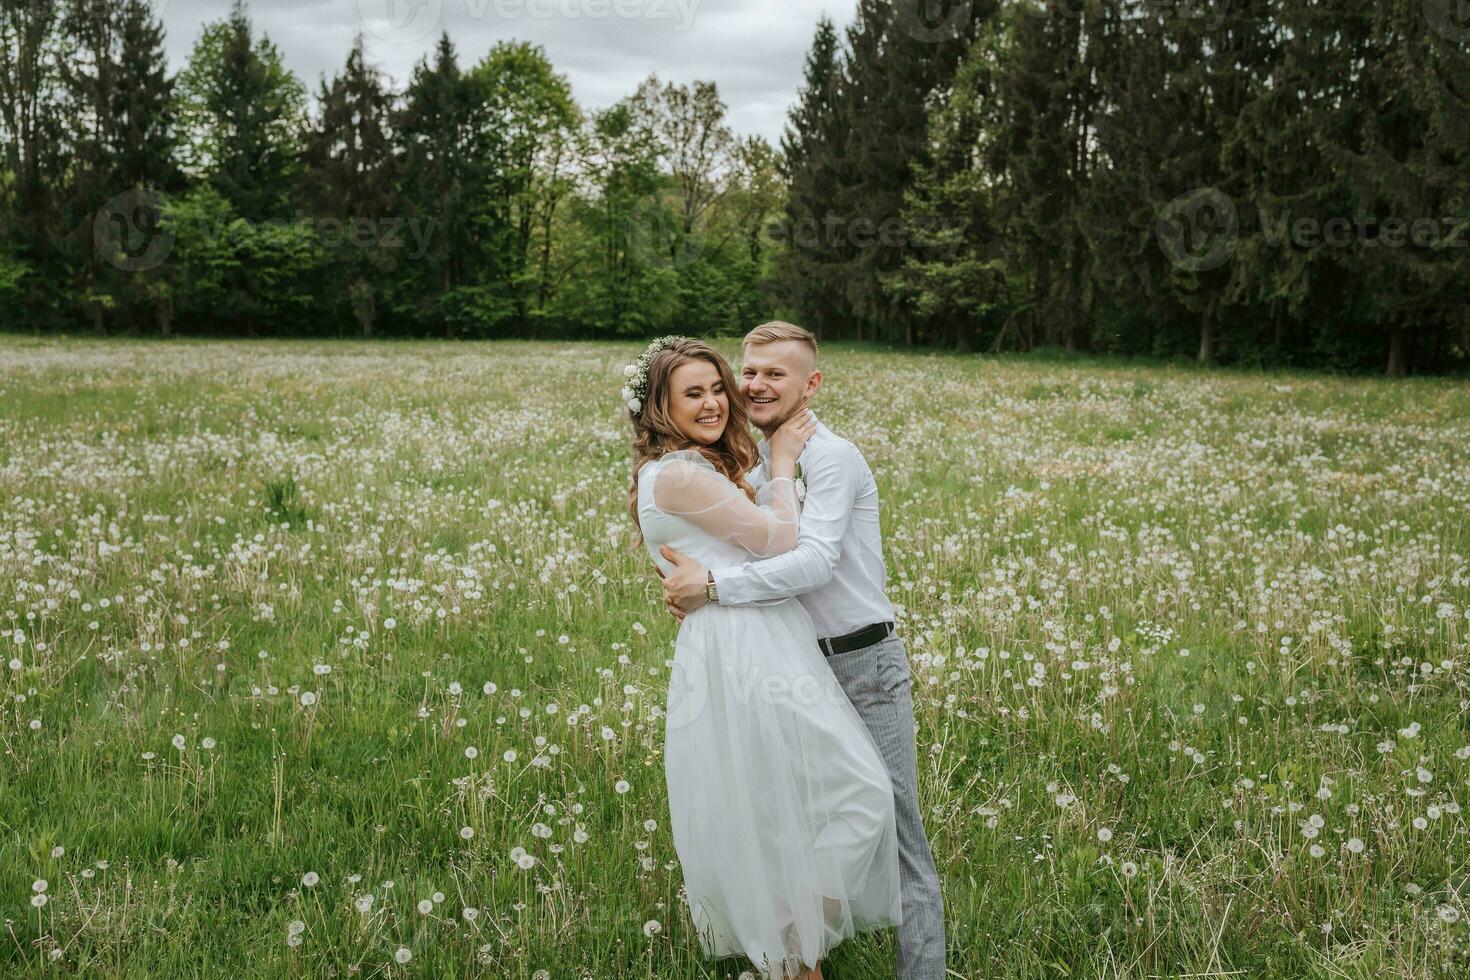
<point x="781" y="807"/>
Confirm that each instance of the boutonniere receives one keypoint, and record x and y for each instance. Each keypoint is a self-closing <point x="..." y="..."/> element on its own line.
<point x="800" y="486"/>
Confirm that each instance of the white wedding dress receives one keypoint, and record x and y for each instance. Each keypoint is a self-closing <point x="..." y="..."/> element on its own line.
<point x="781" y="807"/>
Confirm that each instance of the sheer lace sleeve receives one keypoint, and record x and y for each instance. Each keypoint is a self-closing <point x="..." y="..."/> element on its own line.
<point x="687" y="485"/>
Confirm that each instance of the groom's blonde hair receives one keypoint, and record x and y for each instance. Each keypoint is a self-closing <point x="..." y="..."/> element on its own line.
<point x="776" y="331"/>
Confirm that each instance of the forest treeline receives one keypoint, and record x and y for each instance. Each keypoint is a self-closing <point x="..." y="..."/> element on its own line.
<point x="1282" y="182"/>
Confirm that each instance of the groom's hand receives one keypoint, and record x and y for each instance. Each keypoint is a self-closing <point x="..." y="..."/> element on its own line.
<point x="684" y="586"/>
<point x="673" y="610"/>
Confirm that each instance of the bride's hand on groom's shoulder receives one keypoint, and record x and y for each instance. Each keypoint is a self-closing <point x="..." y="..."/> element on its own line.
<point x="791" y="437"/>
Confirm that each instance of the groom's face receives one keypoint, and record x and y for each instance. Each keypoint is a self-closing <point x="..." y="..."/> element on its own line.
<point x="774" y="377"/>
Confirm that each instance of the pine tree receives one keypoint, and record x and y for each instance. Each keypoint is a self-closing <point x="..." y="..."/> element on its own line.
<point x="811" y="148"/>
<point x="242" y="113"/>
<point x="1404" y="167"/>
<point x="241" y="116"/>
<point x="893" y="70"/>
<point x="960" y="284"/>
<point x="145" y="125"/>
<point x="32" y="106"/>
<point x="88" y="72"/>
<point x="432" y="135"/>
<point x="144" y="121"/>
<point x="1164" y="216"/>
<point x="349" y="154"/>
<point x="1276" y="146"/>
<point x="120" y="138"/>
<point x="1040" y="150"/>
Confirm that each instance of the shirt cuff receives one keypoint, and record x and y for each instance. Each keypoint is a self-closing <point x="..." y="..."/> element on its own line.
<point x="724" y="582"/>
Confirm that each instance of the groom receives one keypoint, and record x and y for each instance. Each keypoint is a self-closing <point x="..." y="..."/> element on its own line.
<point x="837" y="571"/>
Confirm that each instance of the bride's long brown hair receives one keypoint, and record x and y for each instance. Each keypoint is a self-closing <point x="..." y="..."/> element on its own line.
<point x="654" y="433"/>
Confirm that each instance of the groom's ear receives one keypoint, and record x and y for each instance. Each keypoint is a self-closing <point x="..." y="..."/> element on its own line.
<point x="814" y="382"/>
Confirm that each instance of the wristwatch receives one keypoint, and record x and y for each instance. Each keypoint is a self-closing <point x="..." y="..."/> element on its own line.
<point x="710" y="592"/>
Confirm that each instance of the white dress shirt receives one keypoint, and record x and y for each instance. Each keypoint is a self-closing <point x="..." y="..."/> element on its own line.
<point x="836" y="569"/>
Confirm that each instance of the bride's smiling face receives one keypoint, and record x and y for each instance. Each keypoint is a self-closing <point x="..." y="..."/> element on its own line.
<point x="699" y="405"/>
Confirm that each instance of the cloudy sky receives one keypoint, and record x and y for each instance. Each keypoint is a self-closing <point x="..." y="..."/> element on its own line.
<point x="753" y="49"/>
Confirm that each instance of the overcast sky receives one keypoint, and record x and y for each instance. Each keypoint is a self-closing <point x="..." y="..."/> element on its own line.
<point x="753" y="49"/>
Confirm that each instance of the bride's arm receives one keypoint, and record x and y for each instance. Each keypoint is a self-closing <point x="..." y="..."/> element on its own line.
<point x="835" y="475"/>
<point x="696" y="491"/>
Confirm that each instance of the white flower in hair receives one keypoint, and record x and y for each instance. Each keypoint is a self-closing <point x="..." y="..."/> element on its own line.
<point x="636" y="389"/>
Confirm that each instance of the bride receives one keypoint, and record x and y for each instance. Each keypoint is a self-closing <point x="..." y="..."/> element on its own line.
<point x="780" y="805"/>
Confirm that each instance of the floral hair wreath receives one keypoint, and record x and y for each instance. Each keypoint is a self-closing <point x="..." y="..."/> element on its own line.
<point x="635" y="388"/>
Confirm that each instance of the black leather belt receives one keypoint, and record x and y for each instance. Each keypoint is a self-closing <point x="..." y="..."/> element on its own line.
<point x="855" y="640"/>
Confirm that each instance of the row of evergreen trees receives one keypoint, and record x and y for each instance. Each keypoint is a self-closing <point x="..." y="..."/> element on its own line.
<point x="479" y="201"/>
<point x="1251" y="181"/>
<point x="1257" y="181"/>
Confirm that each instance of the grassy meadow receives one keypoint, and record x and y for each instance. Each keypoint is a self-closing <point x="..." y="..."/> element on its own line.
<point x="337" y="660"/>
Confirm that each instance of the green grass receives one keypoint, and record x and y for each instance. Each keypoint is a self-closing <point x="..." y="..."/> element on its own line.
<point x="1187" y="609"/>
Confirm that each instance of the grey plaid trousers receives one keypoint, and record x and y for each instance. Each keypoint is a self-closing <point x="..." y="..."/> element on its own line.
<point x="878" y="684"/>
